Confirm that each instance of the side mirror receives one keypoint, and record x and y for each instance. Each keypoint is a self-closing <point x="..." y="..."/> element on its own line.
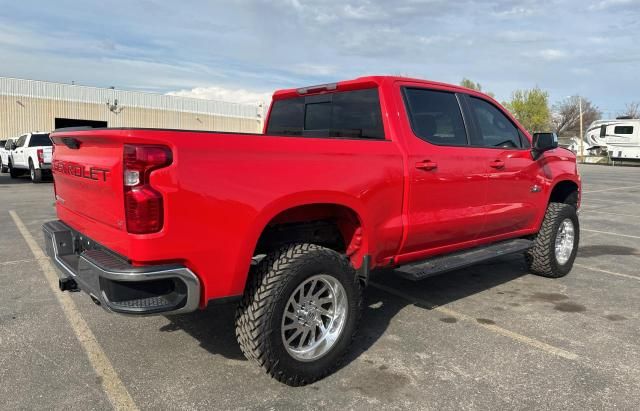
<point x="543" y="142"/>
<point x="12" y="146"/>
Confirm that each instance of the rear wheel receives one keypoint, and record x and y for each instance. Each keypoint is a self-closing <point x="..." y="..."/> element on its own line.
<point x="35" y="173"/>
<point x="556" y="244"/>
<point x="299" y="313"/>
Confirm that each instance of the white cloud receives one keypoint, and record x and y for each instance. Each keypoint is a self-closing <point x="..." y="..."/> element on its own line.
<point x="310" y="69"/>
<point x="605" y="4"/>
<point x="224" y="94"/>
<point x="517" y="11"/>
<point x="547" y="54"/>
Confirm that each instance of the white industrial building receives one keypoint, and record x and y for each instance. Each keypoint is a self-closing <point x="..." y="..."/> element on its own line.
<point x="29" y="105"/>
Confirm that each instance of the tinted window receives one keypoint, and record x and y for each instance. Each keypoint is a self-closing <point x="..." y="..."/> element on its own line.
<point x="495" y="128"/>
<point x="435" y="116"/>
<point x="623" y="130"/>
<point x="317" y="116"/>
<point x="20" y="141"/>
<point x="287" y="117"/>
<point x="40" y="140"/>
<point x="357" y="114"/>
<point x="342" y="114"/>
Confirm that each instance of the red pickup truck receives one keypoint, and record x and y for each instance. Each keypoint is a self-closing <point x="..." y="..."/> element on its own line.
<point x="375" y="172"/>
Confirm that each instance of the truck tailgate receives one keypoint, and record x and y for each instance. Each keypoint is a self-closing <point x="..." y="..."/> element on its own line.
<point x="46" y="155"/>
<point x="88" y="176"/>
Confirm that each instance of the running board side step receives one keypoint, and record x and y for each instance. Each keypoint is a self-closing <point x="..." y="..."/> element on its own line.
<point x="440" y="264"/>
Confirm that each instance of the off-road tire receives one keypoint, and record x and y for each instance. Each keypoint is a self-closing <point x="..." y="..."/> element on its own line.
<point x="35" y="173"/>
<point x="541" y="258"/>
<point x="259" y="314"/>
<point x="13" y="172"/>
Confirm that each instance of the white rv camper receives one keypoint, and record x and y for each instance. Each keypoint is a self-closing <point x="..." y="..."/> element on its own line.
<point x="622" y="138"/>
<point x="596" y="133"/>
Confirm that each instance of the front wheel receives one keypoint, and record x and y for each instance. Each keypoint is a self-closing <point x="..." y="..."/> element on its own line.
<point x="3" y="168"/>
<point x="299" y="313"/>
<point x="556" y="244"/>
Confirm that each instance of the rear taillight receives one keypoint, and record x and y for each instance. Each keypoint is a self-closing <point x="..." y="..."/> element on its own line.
<point x="143" y="205"/>
<point x="53" y="152"/>
<point x="40" y="156"/>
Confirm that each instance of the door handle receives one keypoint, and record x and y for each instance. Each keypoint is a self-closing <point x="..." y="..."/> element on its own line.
<point x="497" y="164"/>
<point x="426" y="165"/>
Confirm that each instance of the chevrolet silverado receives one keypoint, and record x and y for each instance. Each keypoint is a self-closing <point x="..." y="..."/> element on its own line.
<point x="376" y="172"/>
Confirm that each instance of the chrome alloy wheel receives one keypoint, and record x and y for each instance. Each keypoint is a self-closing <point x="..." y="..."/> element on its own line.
<point x="564" y="241"/>
<point x="32" y="172"/>
<point x="314" y="317"/>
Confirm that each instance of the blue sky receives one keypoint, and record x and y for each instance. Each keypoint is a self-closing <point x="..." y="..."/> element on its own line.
<point x="242" y="50"/>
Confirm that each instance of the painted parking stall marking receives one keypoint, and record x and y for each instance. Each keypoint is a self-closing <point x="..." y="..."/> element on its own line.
<point x="111" y="383"/>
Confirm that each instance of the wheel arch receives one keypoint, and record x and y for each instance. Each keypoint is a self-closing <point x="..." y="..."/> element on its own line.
<point x="565" y="191"/>
<point x="333" y="225"/>
<point x="300" y="221"/>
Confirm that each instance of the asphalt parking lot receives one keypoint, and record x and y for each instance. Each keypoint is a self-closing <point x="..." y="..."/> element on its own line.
<point x="486" y="337"/>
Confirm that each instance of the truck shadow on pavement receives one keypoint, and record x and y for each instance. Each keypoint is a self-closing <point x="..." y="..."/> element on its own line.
<point x="214" y="327"/>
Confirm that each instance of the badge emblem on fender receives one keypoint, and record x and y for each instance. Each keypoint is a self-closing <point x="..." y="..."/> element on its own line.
<point x="536" y="188"/>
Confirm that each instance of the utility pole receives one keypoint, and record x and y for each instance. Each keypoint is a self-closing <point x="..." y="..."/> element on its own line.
<point x="581" y="131"/>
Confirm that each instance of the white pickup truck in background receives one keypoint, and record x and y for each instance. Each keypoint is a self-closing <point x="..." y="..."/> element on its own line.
<point x="31" y="152"/>
<point x="5" y="149"/>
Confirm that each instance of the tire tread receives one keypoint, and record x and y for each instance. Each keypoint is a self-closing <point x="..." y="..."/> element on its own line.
<point x="264" y="288"/>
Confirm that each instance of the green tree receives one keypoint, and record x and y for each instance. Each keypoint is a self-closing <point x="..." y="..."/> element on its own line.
<point x="531" y="108"/>
<point x="475" y="86"/>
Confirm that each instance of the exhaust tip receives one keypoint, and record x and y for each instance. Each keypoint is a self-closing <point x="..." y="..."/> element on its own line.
<point x="68" y="284"/>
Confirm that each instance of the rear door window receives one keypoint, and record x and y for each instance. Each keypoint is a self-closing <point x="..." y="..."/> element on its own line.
<point x="40" y="140"/>
<point x="495" y="128"/>
<point x="435" y="116"/>
<point x="21" y="140"/>
<point x="346" y="114"/>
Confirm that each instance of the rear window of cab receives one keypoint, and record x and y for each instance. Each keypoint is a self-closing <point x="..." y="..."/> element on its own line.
<point x="343" y="114"/>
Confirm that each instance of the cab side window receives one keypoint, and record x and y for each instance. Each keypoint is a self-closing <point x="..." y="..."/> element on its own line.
<point x="495" y="128"/>
<point x="435" y="116"/>
<point x="21" y="141"/>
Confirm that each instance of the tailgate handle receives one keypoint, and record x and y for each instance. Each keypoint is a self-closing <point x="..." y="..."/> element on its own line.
<point x="71" y="142"/>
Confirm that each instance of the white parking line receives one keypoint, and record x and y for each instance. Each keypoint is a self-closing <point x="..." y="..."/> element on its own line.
<point x="491" y="327"/>
<point x="610" y="203"/>
<point x="610" y="189"/>
<point x="610" y="233"/>
<point x="607" y="272"/>
<point x="111" y="383"/>
<point x="17" y="261"/>
<point x="609" y="213"/>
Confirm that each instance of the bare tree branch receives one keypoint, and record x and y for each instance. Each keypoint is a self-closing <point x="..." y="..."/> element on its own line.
<point x="566" y="116"/>
<point x="631" y="110"/>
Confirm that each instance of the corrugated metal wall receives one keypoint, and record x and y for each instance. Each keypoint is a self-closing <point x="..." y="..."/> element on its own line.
<point x="28" y="105"/>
